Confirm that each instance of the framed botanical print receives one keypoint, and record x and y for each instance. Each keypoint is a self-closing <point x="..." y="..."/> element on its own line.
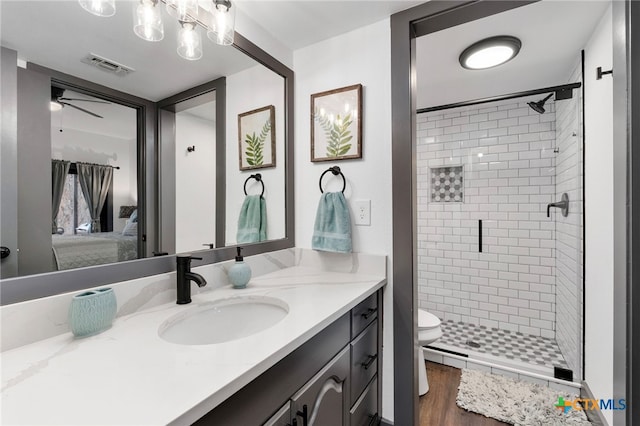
<point x="257" y="138"/>
<point x="336" y="124"/>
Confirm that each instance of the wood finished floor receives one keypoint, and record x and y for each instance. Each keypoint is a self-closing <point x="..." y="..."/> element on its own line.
<point x="438" y="407"/>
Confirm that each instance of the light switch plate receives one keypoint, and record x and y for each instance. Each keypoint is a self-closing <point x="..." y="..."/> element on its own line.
<point x="362" y="210"/>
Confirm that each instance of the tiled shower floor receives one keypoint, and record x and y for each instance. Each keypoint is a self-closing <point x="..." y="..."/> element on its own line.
<point x="502" y="343"/>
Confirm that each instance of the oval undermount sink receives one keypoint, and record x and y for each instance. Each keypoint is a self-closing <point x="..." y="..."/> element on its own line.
<point x="224" y="320"/>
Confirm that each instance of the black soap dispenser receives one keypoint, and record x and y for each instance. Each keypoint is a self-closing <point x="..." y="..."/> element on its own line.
<point x="240" y="272"/>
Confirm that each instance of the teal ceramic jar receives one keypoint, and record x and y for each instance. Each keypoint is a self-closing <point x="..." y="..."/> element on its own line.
<point x="92" y="312"/>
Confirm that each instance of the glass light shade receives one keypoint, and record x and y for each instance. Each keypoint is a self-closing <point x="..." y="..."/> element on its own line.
<point x="55" y="106"/>
<point x="183" y="10"/>
<point x="223" y="21"/>
<point x="490" y="52"/>
<point x="103" y="8"/>
<point x="147" y="20"/>
<point x="189" y="41"/>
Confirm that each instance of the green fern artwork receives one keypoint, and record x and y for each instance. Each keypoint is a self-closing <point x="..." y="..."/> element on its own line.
<point x="254" y="153"/>
<point x="337" y="132"/>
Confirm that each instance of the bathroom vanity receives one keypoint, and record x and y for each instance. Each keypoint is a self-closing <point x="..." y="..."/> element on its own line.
<point x="330" y="380"/>
<point x="322" y="358"/>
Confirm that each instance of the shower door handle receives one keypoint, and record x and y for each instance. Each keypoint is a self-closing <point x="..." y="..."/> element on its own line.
<point x="562" y="205"/>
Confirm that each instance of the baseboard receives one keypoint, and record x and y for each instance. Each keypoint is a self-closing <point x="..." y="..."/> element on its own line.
<point x="385" y="422"/>
<point x="434" y="354"/>
<point x="595" y="416"/>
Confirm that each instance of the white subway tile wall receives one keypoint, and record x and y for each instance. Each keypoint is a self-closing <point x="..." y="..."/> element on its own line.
<point x="507" y="151"/>
<point x="569" y="230"/>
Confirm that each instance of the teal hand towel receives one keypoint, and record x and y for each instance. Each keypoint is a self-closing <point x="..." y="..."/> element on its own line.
<point x="252" y="223"/>
<point x="332" y="231"/>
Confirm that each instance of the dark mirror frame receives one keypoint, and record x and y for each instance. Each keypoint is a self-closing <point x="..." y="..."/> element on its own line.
<point x="19" y="289"/>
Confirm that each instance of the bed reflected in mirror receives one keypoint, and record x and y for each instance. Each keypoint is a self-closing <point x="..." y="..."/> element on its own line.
<point x="93" y="181"/>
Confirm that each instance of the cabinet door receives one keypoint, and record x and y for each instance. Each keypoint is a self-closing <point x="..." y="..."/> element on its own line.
<point x="323" y="400"/>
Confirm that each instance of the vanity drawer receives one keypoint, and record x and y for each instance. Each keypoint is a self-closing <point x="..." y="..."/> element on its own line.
<point x="365" y="410"/>
<point x="364" y="360"/>
<point x="363" y="314"/>
<point x="282" y="417"/>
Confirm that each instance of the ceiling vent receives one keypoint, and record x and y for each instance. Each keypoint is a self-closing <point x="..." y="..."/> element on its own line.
<point x="107" y="65"/>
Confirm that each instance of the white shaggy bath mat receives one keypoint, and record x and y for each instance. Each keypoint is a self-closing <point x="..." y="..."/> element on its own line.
<point x="514" y="401"/>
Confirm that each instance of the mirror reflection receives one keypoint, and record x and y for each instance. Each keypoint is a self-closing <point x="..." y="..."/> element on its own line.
<point x="255" y="145"/>
<point x="195" y="136"/>
<point x="93" y="180"/>
<point x="90" y="171"/>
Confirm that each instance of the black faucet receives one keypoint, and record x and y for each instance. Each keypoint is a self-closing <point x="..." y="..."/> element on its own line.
<point x="185" y="276"/>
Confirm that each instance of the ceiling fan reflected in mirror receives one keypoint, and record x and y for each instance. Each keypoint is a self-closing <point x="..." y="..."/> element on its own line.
<point x="58" y="101"/>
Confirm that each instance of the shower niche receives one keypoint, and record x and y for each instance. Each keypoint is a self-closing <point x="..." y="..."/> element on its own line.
<point x="447" y="184"/>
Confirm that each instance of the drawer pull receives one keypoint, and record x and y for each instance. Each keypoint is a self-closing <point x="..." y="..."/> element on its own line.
<point x="303" y="414"/>
<point x="369" y="361"/>
<point x="374" y="420"/>
<point x="293" y="423"/>
<point x="369" y="312"/>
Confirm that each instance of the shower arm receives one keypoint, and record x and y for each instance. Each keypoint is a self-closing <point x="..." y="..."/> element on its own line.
<point x="562" y="205"/>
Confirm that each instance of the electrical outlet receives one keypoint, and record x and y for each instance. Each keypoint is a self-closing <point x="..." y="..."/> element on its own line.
<point x="362" y="210"/>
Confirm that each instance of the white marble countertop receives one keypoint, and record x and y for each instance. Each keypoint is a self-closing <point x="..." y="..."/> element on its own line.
<point x="128" y="375"/>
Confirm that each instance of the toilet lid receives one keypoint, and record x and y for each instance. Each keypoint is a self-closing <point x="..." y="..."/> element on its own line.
<point x="427" y="320"/>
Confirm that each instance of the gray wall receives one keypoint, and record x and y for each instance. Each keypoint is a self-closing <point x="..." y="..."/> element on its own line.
<point x="8" y="158"/>
<point x="34" y="172"/>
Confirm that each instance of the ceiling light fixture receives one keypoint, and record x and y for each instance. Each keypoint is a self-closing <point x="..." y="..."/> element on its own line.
<point x="219" y="22"/>
<point x="55" y="106"/>
<point x="490" y="52"/>
<point x="222" y="23"/>
<point x="104" y="8"/>
<point x="147" y="20"/>
<point x="183" y="10"/>
<point x="189" y="41"/>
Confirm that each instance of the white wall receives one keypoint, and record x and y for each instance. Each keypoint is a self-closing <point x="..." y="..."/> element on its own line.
<point x="195" y="182"/>
<point x="76" y="145"/>
<point x="247" y="90"/>
<point x="325" y="66"/>
<point x="599" y="214"/>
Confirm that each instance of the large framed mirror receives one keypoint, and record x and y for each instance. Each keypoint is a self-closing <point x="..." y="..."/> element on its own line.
<point x="161" y="135"/>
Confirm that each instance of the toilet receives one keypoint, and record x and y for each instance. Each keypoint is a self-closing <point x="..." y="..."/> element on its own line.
<point x="428" y="332"/>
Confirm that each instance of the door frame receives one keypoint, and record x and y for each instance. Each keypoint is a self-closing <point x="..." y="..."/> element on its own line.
<point x="438" y="15"/>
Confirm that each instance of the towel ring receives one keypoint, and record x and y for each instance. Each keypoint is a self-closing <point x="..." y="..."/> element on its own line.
<point x="336" y="171"/>
<point x="257" y="177"/>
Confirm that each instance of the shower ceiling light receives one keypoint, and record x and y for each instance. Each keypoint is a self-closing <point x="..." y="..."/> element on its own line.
<point x="490" y="52"/>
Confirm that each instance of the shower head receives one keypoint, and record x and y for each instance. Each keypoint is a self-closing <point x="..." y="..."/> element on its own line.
<point x="539" y="106"/>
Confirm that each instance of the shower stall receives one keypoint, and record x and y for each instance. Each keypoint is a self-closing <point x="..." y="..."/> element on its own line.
<point x="500" y="229"/>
